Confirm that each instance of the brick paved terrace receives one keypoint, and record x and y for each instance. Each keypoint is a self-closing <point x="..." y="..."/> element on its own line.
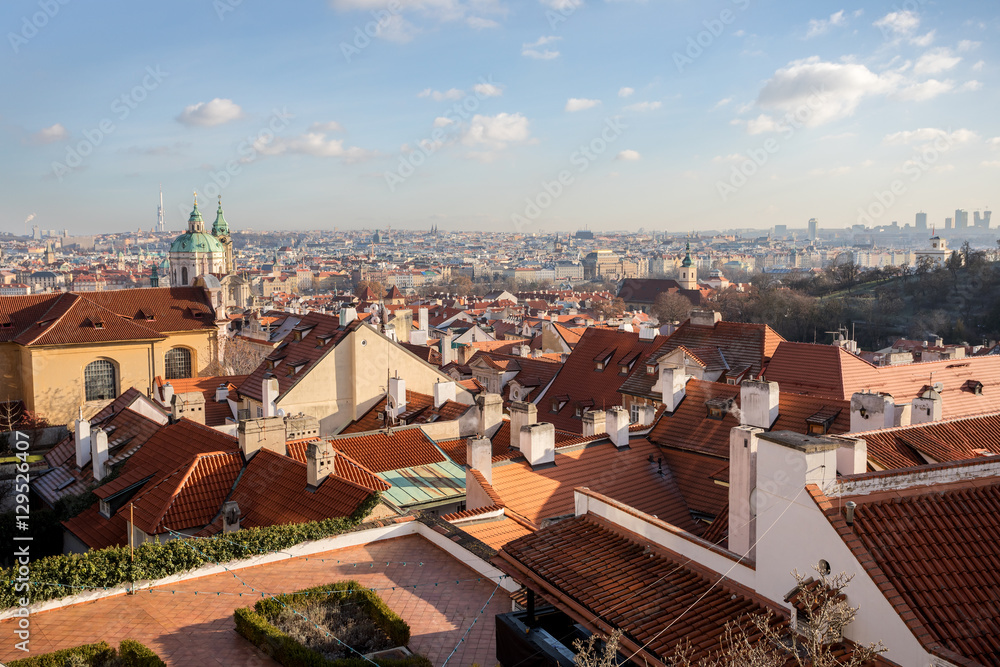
<point x="188" y="629"/>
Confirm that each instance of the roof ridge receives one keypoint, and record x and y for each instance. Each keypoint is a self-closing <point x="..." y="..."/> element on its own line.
<point x="41" y="319"/>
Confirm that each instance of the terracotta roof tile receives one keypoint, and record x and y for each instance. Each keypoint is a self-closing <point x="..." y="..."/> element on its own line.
<point x="496" y="532"/>
<point x="949" y="440"/>
<point x="381" y="451"/>
<point x="419" y="410"/>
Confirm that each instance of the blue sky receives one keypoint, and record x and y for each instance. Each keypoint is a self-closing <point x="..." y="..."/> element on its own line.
<point x="484" y="114"/>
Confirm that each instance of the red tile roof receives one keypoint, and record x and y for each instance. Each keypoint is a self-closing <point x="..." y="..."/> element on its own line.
<point x="216" y="413"/>
<point x="502" y="451"/>
<point x="419" y="410"/>
<point x="949" y="440"/>
<point x="496" y="532"/>
<point x="579" y="380"/>
<point x="381" y="451"/>
<point x="95" y="317"/>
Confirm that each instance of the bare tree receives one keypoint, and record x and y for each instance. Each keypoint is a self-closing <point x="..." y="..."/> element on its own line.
<point x="239" y="357"/>
<point x="590" y="654"/>
<point x="671" y="307"/>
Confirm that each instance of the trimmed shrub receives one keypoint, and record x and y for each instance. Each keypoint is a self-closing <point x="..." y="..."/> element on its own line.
<point x="130" y="654"/>
<point x="107" y="568"/>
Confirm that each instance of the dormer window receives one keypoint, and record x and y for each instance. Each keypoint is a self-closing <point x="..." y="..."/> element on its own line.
<point x="650" y="369"/>
<point x="820" y="422"/>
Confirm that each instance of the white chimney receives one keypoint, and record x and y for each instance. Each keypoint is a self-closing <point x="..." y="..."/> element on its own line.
<point x="81" y="437"/>
<point x="705" y="318"/>
<point x="673" y="386"/>
<point x="647" y="333"/>
<point x="594" y="422"/>
<point x="617" y="422"/>
<point x="422" y="321"/>
<point x="535" y="354"/>
<point x="99" y="453"/>
<point x="418" y="337"/>
<point x="256" y="434"/>
<point x="872" y="411"/>
<point x="479" y="456"/>
<point x="647" y="413"/>
<point x="269" y="394"/>
<point x="222" y="393"/>
<point x="538" y="443"/>
<point x="447" y="352"/>
<point x="522" y="413"/>
<point x="852" y="457"/>
<point x="347" y="315"/>
<point x="742" y="486"/>
<point x="524" y="350"/>
<point x="168" y="394"/>
<point x="397" y="395"/>
<point x="321" y="461"/>
<point x="443" y="391"/>
<point x="759" y="403"/>
<point x="490" y="413"/>
<point x="926" y="408"/>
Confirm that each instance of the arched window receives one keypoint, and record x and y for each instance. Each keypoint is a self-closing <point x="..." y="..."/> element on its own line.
<point x="100" y="381"/>
<point x="178" y="363"/>
<point x="184" y="276"/>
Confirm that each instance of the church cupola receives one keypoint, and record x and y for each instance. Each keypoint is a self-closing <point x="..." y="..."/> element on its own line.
<point x="195" y="222"/>
<point x="688" y="277"/>
<point x="220" y="227"/>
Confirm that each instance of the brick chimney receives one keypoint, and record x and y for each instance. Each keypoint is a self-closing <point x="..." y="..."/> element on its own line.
<point x="617" y="422"/>
<point x="81" y="437"/>
<point x="758" y="403"/>
<point x="321" y="460"/>
<point x="522" y="413"/>
<point x="264" y="433"/>
<point x="594" y="422"/>
<point x="99" y="453"/>
<point x="490" y="413"/>
<point x="538" y="444"/>
<point x="190" y="404"/>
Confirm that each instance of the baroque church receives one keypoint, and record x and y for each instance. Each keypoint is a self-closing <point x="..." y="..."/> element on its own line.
<point x="205" y="259"/>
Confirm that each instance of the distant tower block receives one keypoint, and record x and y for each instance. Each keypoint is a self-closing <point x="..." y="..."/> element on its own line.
<point x="813" y="229"/>
<point x="921" y="221"/>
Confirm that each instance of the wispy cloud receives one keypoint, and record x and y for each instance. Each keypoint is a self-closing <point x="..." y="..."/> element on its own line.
<point x="819" y="27"/>
<point x="209" y="114"/>
<point x="535" y="51"/>
<point x="580" y="104"/>
<point x="51" y="134"/>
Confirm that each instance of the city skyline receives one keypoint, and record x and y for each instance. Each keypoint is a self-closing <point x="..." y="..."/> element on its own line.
<point x="541" y="117"/>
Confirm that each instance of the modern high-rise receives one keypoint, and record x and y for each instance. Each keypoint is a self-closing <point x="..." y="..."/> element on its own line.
<point x="961" y="218"/>
<point x="983" y="220"/>
<point x="921" y="221"/>
<point x="813" y="228"/>
<point x="947" y="223"/>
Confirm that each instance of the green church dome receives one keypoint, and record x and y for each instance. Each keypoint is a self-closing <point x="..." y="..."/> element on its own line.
<point x="221" y="227"/>
<point x="196" y="242"/>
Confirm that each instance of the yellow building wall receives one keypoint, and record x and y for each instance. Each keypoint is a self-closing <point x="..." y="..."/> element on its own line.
<point x="11" y="384"/>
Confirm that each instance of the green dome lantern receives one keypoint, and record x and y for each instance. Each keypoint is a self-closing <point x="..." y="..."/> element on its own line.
<point x="221" y="227"/>
<point x="687" y="257"/>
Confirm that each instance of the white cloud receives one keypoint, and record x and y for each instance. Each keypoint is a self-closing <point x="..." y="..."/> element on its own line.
<point x="625" y="91"/>
<point x="723" y="102"/>
<point x="978" y="67"/>
<point x="497" y="132"/>
<point x="533" y="50"/>
<point x="820" y="26"/>
<point x="209" y="114"/>
<point x="644" y="106"/>
<point x="936" y="61"/>
<point x="51" y="134"/>
<point x="396" y="29"/>
<point x="479" y="23"/>
<point x="628" y="155"/>
<point x="992" y="164"/>
<point x="928" y="135"/>
<point x="312" y="143"/>
<point x="970" y="86"/>
<point x="993" y="143"/>
<point x="438" y="96"/>
<point x="923" y="40"/>
<point x="488" y="90"/>
<point x="332" y="126"/>
<point x="441" y="121"/>
<point x="902" y="23"/>
<point x="925" y="90"/>
<point x="967" y="45"/>
<point x="580" y="104"/>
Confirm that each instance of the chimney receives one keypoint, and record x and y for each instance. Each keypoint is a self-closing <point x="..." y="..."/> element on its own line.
<point x="321" y="460"/>
<point x="538" y="444"/>
<point x="617" y="422"/>
<point x="397" y="395"/>
<point x="479" y="456"/>
<point x="925" y="409"/>
<point x="347" y="315"/>
<point x="99" y="453"/>
<point x="443" y="391"/>
<point x="673" y="385"/>
<point x="522" y="413"/>
<point x="849" y="507"/>
<point x="594" y="422"/>
<point x="872" y="411"/>
<point x="230" y="516"/>
<point x="647" y="333"/>
<point x="222" y="393"/>
<point x="300" y="427"/>
<point x="705" y="318"/>
<point x="190" y="404"/>
<point x="168" y="394"/>
<point x="269" y="394"/>
<point x="647" y="413"/>
<point x="447" y="352"/>
<point x="490" y="413"/>
<point x="81" y="436"/>
<point x="257" y="434"/>
<point x="524" y="350"/>
<point x="852" y="457"/>
<point x="758" y="403"/>
<point x="742" y="487"/>
<point x="422" y="321"/>
<point x="418" y="337"/>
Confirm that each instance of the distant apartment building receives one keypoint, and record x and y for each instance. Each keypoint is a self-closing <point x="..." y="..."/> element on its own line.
<point x="961" y="219"/>
<point x="982" y="220"/>
<point x="813" y="229"/>
<point x="921" y="220"/>
<point x="14" y="289"/>
<point x="567" y="270"/>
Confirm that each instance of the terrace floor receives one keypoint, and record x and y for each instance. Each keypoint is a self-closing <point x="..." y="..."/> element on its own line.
<point x="191" y="623"/>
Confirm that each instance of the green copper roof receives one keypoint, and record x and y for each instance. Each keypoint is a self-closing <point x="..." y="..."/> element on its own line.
<point x="195" y="213"/>
<point x="196" y="242"/>
<point x="221" y="227"/>
<point x="687" y="257"/>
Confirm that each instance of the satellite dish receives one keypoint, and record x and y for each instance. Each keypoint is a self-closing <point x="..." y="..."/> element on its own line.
<point x="281" y="412"/>
<point x="938" y="387"/>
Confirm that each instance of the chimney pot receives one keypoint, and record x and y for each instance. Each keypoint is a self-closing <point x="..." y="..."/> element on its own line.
<point x="850" y="506"/>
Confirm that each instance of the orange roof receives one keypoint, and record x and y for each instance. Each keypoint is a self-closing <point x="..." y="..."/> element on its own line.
<point x="497" y="532"/>
<point x="216" y="413"/>
<point x="419" y="410"/>
<point x="949" y="440"/>
<point x="381" y="451"/>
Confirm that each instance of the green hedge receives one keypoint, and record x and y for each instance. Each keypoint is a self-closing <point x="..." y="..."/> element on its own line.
<point x="129" y="654"/>
<point x="107" y="568"/>
<point x="253" y="623"/>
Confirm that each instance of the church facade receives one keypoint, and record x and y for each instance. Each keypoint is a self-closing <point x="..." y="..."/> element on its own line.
<point x="198" y="253"/>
